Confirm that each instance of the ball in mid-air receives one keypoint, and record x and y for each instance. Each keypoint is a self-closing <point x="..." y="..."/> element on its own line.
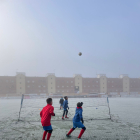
<point x="80" y="53"/>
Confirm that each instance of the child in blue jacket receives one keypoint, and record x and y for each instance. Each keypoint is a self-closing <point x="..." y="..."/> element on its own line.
<point x="78" y="121"/>
<point x="65" y="107"/>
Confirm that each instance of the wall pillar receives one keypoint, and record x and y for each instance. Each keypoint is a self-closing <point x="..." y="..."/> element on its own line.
<point x="78" y="82"/>
<point x="126" y="83"/>
<point x="20" y="83"/>
<point x="103" y="83"/>
<point x="51" y="83"/>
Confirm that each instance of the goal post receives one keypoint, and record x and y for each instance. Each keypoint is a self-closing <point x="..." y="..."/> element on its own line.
<point x="22" y="97"/>
<point x="93" y="108"/>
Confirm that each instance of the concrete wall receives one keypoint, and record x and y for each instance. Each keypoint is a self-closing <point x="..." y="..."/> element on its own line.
<point x="134" y="84"/>
<point x="7" y="85"/>
<point x="65" y="85"/>
<point x="114" y="85"/>
<point x="91" y="85"/>
<point x="36" y="85"/>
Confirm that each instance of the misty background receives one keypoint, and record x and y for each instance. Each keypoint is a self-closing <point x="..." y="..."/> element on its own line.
<point x="39" y="37"/>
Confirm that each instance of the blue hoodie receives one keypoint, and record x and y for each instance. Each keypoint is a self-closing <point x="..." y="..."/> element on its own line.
<point x="65" y="104"/>
<point x="78" y="114"/>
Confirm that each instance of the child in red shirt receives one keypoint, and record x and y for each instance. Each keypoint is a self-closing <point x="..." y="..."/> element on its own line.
<point x="45" y="115"/>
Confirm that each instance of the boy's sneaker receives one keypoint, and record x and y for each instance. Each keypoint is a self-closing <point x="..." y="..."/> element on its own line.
<point x="66" y="116"/>
<point x="63" y="118"/>
<point x="68" y="136"/>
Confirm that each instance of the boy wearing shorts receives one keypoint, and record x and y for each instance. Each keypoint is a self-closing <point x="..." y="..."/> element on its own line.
<point x="45" y="115"/>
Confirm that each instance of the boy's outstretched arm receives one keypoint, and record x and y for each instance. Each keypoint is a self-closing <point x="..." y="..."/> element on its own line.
<point x="41" y="114"/>
<point x="51" y="111"/>
<point x="82" y="120"/>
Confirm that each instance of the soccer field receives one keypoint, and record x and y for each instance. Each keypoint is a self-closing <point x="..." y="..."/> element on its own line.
<point x="125" y="123"/>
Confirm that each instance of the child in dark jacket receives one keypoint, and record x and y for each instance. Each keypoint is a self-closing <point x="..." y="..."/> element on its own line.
<point x="45" y="115"/>
<point x="65" y="107"/>
<point x="78" y="121"/>
<point x="61" y="102"/>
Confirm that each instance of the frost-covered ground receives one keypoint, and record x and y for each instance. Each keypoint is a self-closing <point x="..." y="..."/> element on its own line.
<point x="125" y="123"/>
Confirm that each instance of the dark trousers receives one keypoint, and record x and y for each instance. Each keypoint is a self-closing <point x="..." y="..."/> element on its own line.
<point x="65" y="111"/>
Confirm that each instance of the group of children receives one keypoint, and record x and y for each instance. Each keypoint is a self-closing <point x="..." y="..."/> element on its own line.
<point x="48" y="111"/>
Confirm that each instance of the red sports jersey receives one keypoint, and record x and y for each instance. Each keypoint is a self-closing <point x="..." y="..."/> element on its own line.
<point x="46" y="114"/>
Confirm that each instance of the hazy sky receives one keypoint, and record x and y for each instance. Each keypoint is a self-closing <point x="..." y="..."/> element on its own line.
<point x="45" y="36"/>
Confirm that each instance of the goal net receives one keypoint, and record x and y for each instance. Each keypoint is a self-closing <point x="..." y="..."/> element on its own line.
<point x="93" y="108"/>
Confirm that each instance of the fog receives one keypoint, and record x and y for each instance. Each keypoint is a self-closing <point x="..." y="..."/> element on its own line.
<point x="40" y="37"/>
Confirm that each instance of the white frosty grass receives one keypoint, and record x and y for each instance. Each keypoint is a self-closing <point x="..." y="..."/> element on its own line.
<point x="94" y="108"/>
<point x="124" y="111"/>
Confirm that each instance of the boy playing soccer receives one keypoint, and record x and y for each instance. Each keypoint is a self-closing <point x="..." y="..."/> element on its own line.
<point x="45" y="115"/>
<point x="61" y="102"/>
<point x="65" y="107"/>
<point x="78" y="121"/>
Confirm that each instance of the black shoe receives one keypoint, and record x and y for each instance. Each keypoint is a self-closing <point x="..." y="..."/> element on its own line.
<point x="68" y="136"/>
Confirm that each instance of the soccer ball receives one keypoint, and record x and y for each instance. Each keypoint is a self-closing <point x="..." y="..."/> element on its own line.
<point x="80" y="53"/>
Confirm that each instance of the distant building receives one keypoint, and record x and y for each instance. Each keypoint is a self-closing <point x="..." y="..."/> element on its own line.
<point x="22" y="84"/>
